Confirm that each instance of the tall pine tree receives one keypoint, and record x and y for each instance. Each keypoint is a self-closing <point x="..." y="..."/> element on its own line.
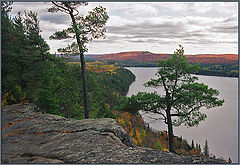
<point x="84" y="29"/>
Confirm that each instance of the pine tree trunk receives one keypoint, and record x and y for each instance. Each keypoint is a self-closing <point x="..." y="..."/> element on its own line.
<point x="83" y="68"/>
<point x="85" y="93"/>
<point x="170" y="131"/>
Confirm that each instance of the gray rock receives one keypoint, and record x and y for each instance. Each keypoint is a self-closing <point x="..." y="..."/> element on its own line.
<point x="29" y="136"/>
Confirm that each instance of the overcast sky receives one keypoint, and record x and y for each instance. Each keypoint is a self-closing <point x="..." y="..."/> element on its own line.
<point x="158" y="27"/>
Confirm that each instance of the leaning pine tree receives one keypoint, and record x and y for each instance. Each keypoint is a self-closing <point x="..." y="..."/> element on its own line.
<point x="84" y="29"/>
<point x="182" y="98"/>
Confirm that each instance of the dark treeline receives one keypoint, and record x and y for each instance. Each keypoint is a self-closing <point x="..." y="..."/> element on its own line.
<point x="31" y="74"/>
<point x="224" y="70"/>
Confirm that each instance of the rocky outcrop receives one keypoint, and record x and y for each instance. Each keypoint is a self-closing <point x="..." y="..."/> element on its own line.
<point x="29" y="136"/>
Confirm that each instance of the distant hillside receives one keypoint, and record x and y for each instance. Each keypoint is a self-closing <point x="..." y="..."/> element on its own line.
<point x="134" y="55"/>
<point x="146" y="56"/>
<point x="213" y="58"/>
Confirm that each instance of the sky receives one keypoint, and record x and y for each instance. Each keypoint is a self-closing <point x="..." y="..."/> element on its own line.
<point x="158" y="27"/>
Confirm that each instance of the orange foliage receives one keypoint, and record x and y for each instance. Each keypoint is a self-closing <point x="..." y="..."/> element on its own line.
<point x="142" y="135"/>
<point x="108" y="106"/>
<point x="99" y="66"/>
<point x="213" y="59"/>
<point x="121" y="122"/>
<point x="134" y="55"/>
<point x="131" y="132"/>
<point x="139" y="137"/>
<point x="133" y="125"/>
<point x="194" y="152"/>
<point x="148" y="56"/>
<point x="134" y="140"/>
<point x="130" y="125"/>
<point x="165" y="149"/>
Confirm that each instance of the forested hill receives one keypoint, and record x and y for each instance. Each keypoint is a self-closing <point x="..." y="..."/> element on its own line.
<point x="144" y="56"/>
<point x="210" y="64"/>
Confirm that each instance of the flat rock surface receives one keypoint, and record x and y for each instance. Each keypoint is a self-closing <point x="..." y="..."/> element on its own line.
<point x="29" y="136"/>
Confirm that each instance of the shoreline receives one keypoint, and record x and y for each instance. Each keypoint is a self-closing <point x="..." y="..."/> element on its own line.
<point x="194" y="74"/>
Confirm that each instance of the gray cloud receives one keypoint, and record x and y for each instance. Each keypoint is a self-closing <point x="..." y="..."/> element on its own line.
<point x="148" y="30"/>
<point x="142" y="31"/>
<point x="107" y="41"/>
<point x="153" y="41"/>
<point x="230" y="19"/>
<point x="207" y="41"/>
<point x="145" y="40"/>
<point x="224" y="29"/>
<point x="39" y="7"/>
<point x="192" y="30"/>
<point x="57" y="18"/>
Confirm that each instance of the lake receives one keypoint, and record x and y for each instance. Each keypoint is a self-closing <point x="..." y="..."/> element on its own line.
<point x="220" y="128"/>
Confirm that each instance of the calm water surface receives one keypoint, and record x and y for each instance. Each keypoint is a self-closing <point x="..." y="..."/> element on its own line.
<point x="220" y="128"/>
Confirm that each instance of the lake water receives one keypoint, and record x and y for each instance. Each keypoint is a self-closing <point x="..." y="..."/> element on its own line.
<point x="220" y="128"/>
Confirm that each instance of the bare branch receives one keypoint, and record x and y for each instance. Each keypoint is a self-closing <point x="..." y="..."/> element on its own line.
<point x="164" y="118"/>
<point x="178" y="114"/>
<point x="186" y="114"/>
<point x="76" y="13"/>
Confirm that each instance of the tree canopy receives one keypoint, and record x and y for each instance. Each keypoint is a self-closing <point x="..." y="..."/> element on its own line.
<point x="24" y="53"/>
<point x="86" y="28"/>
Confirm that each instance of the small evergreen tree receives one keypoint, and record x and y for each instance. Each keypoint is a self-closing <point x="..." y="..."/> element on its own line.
<point x="206" y="149"/>
<point x="229" y="160"/>
<point x="192" y="144"/>
<point x="199" y="148"/>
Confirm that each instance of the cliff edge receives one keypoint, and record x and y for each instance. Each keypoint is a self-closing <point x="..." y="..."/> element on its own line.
<point x="29" y="136"/>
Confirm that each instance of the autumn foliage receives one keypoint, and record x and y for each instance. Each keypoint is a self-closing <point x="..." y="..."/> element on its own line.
<point x="144" y="136"/>
<point x="99" y="66"/>
<point x="133" y="125"/>
<point x="148" y="56"/>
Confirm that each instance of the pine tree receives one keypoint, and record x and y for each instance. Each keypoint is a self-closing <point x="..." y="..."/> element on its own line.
<point x="182" y="99"/>
<point x="229" y="160"/>
<point x="84" y="29"/>
<point x="22" y="48"/>
<point x="192" y="144"/>
<point x="206" y="149"/>
<point x="199" y="148"/>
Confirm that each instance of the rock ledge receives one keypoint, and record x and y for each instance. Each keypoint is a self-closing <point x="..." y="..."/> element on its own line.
<point x="29" y="136"/>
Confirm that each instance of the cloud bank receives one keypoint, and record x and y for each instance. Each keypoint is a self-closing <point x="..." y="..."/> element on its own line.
<point x="201" y="27"/>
